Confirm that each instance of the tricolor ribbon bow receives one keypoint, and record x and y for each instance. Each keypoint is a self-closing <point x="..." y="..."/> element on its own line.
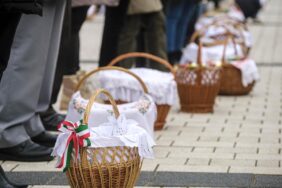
<point x="72" y="136"/>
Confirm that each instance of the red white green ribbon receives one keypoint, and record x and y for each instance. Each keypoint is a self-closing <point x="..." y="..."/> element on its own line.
<point x="78" y="137"/>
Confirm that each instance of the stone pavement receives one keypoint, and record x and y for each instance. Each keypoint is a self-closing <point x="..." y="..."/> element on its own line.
<point x="239" y="145"/>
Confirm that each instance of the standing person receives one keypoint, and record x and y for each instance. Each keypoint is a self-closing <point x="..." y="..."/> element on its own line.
<point x="145" y="17"/>
<point x="9" y="23"/>
<point x="178" y="15"/>
<point x="25" y="88"/>
<point x="216" y="3"/>
<point x="10" y="15"/>
<point x="195" y="16"/>
<point x="114" y="21"/>
<point x="68" y="59"/>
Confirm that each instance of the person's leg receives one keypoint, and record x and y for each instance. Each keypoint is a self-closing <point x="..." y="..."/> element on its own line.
<point x="22" y="81"/>
<point x="114" y="20"/>
<point x="128" y="37"/>
<point x="63" y="53"/>
<point x="257" y="6"/>
<point x="49" y="72"/>
<point x="141" y="47"/>
<point x="216" y="3"/>
<point x="156" y="37"/>
<point x="192" y="22"/>
<point x="78" y="17"/>
<point x="173" y="15"/>
<point x="68" y="59"/>
<point x="187" y="11"/>
<point x="67" y="64"/>
<point x="9" y="23"/>
<point x="248" y="7"/>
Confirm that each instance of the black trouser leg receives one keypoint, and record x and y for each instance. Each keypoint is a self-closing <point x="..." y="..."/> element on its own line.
<point x="114" y="20"/>
<point x="8" y="26"/>
<point x="68" y="60"/>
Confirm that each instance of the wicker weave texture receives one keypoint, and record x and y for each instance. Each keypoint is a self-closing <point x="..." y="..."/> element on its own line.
<point x="163" y="111"/>
<point x="110" y="167"/>
<point x="197" y="89"/>
<point x="231" y="82"/>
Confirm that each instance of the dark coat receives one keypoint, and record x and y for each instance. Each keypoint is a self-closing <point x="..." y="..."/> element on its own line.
<point x="22" y="6"/>
<point x="250" y="8"/>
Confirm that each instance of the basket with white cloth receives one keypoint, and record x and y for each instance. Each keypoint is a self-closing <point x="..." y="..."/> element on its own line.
<point x="219" y="30"/>
<point x="143" y="109"/>
<point x="239" y="73"/>
<point x="109" y="155"/>
<point x="198" y="79"/>
<point x="161" y="85"/>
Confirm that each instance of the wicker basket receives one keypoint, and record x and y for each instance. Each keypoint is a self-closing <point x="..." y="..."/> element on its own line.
<point x="221" y="38"/>
<point x="231" y="82"/>
<point x="108" y="167"/>
<point x="162" y="109"/>
<point x="82" y="80"/>
<point x="198" y="87"/>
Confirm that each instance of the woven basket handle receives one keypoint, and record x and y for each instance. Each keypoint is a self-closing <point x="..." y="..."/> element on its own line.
<point x="144" y="55"/>
<point x="225" y="47"/>
<point x="92" y="100"/>
<point x="198" y="33"/>
<point x="145" y="89"/>
<point x="199" y="54"/>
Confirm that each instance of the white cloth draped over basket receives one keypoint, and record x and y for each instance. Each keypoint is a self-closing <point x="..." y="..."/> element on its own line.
<point x="248" y="69"/>
<point x="111" y="133"/>
<point x="212" y="31"/>
<point x="161" y="85"/>
<point x="209" y="54"/>
<point x="210" y="26"/>
<point x="213" y="55"/>
<point x="143" y="111"/>
<point x="234" y="13"/>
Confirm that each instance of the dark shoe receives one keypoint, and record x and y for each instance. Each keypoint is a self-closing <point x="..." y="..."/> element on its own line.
<point x="51" y="119"/>
<point x="27" y="151"/>
<point x="6" y="183"/>
<point x="45" y="139"/>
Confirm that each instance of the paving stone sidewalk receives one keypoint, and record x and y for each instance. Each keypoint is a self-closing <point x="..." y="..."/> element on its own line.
<point x="239" y="145"/>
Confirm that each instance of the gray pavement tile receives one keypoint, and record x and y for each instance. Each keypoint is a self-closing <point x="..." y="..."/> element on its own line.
<point x="202" y="179"/>
<point x="267" y="181"/>
<point x="162" y="179"/>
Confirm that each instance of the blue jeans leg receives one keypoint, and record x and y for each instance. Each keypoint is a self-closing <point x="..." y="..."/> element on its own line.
<point x="187" y="14"/>
<point x="173" y="15"/>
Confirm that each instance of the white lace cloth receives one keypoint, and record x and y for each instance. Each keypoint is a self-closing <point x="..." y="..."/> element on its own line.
<point x="236" y="14"/>
<point x="216" y="30"/>
<point x="213" y="30"/>
<point x="233" y="14"/>
<point x="142" y="111"/>
<point x="161" y="85"/>
<point x="209" y="54"/>
<point x="111" y="133"/>
<point x="248" y="69"/>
